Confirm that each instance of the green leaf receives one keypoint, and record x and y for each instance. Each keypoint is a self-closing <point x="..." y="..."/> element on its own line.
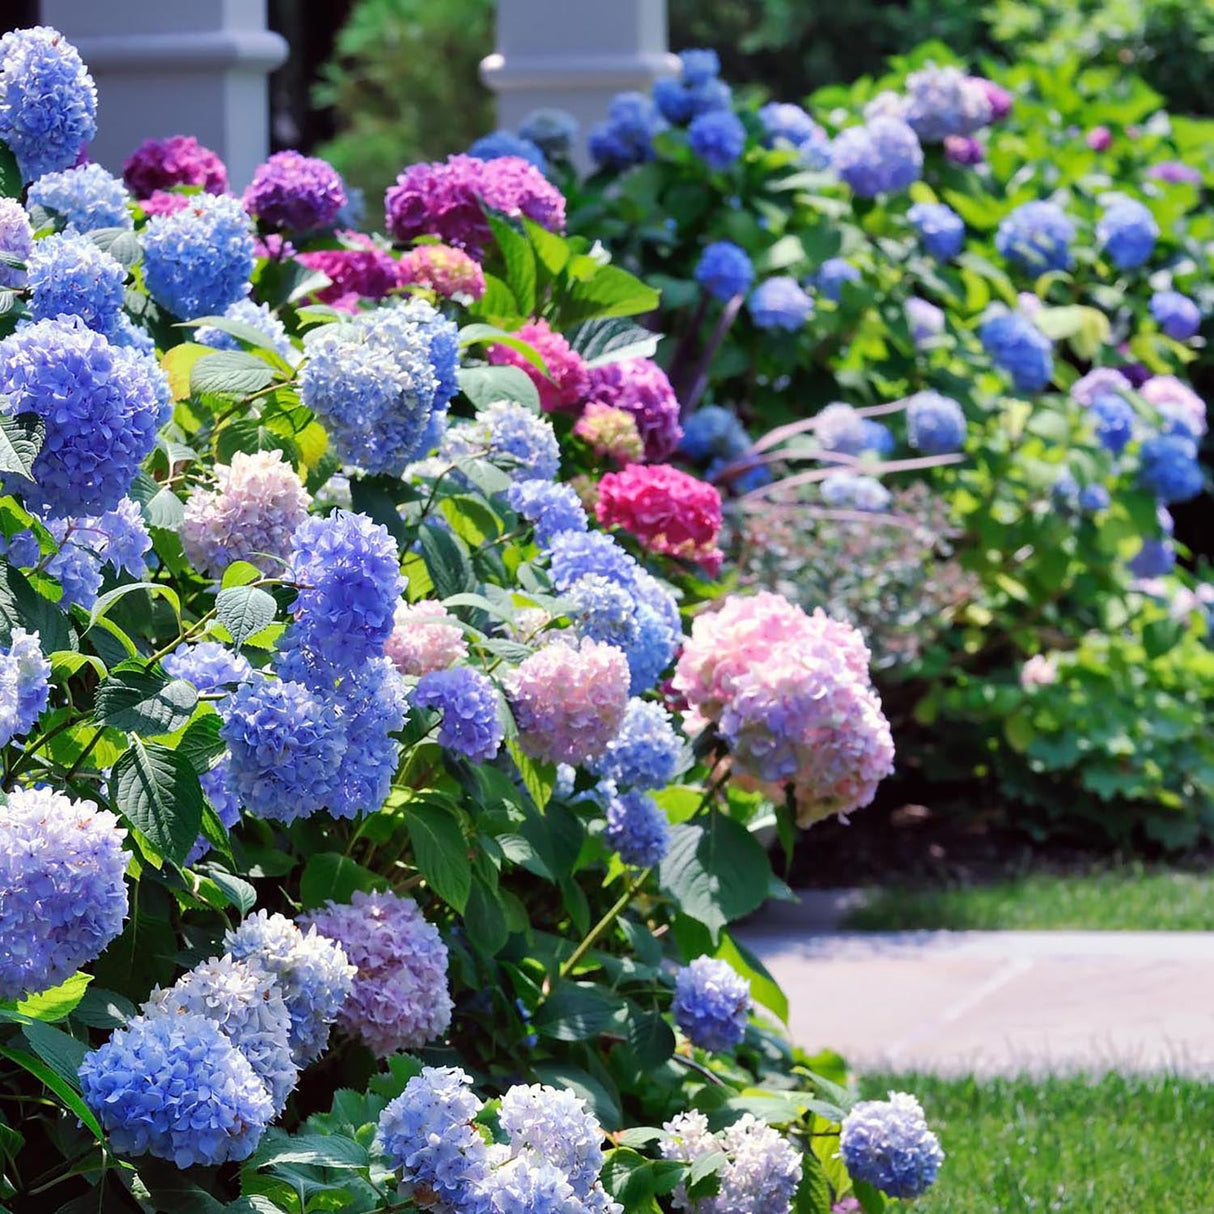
<point x="22" y="605"/>
<point x="65" y="1091"/>
<point x="237" y="328"/>
<point x="763" y="986"/>
<point x="440" y="852"/>
<point x="11" y="184"/>
<point x="650" y="1037"/>
<point x="575" y="1011"/>
<point x="201" y="743"/>
<point x="872" y="1200"/>
<point x="244" y="611"/>
<point x="320" y="1150"/>
<point x="519" y="260"/>
<point x="59" y="1050"/>
<point x="447" y="561"/>
<point x="240" y="573"/>
<point x="57" y="1003"/>
<point x="21" y="438"/>
<point x="329" y="874"/>
<point x="157" y="791"/>
<point x="485" y="918"/>
<point x="596" y="1090"/>
<point x="485" y="385"/>
<point x="539" y="779"/>
<point x="107" y="601"/>
<point x="813" y="1193"/>
<point x="120" y="243"/>
<point x="610" y="291"/>
<point x="230" y="373"/>
<point x="612" y="339"/>
<point x="144" y="701"/>
<point x="237" y="891"/>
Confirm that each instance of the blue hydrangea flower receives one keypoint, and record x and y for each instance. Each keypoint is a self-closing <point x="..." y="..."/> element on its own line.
<point x="573" y="555"/>
<point x="85" y="198"/>
<point x="177" y="1088"/>
<point x="780" y="303"/>
<point x="660" y="633"/>
<point x="378" y="381"/>
<point x="1127" y="232"/>
<point x="636" y="828"/>
<point x="1036" y="237"/>
<point x="71" y="276"/>
<point x="1154" y="558"/>
<point x="1016" y="345"/>
<point x="940" y="228"/>
<point x="831" y="276"/>
<point x="552" y="131"/>
<point x="626" y="137"/>
<point x="886" y="1143"/>
<point x="374" y="704"/>
<point x="506" y="143"/>
<point x="935" y="424"/>
<point x="1169" y="469"/>
<point x="509" y="435"/>
<point x="840" y="428"/>
<point x="943" y="101"/>
<point x="711" y="1003"/>
<point x="16" y="239"/>
<point x="925" y="319"/>
<point x="256" y="316"/>
<point x="246" y="1003"/>
<point x="102" y="406"/>
<point x="527" y="1185"/>
<point x="604" y="610"/>
<point x="724" y="270"/>
<point x="710" y="431"/>
<point x="699" y="65"/>
<point x="62" y="889"/>
<point x="550" y="507"/>
<point x="883" y="156"/>
<point x="313" y="974"/>
<point x="878" y="437"/>
<point x="471" y="724"/>
<point x="198" y="260"/>
<point x="1113" y="417"/>
<point x="24" y="685"/>
<point x="786" y="125"/>
<point x="717" y="137"/>
<point x="554" y="1125"/>
<point x="845" y="490"/>
<point x="48" y="102"/>
<point x="209" y="665"/>
<point x="646" y="752"/>
<point x="681" y="101"/>
<point x="348" y="572"/>
<point x="1093" y="498"/>
<point x="1176" y="314"/>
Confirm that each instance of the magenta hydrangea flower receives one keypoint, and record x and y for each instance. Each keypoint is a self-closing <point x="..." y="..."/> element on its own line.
<point x="361" y="269"/>
<point x="569" y="700"/>
<point x="425" y="637"/>
<point x="640" y="387"/>
<point x="294" y="192"/>
<point x="567" y="381"/>
<point x="400" y="999"/>
<point x="444" y="199"/>
<point x="449" y="273"/>
<point x="161" y="164"/>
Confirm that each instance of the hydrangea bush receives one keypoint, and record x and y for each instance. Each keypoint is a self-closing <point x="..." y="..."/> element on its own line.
<point x="357" y="849"/>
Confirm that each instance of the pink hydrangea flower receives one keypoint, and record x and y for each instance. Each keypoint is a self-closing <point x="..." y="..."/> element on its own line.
<point x="667" y="510"/>
<point x="1038" y="671"/>
<point x="640" y="387"/>
<point x="963" y="149"/>
<point x="569" y="700"/>
<point x="611" y="432"/>
<point x="162" y="202"/>
<point x="1099" y="139"/>
<point x="251" y="516"/>
<point x="999" y="98"/>
<point x="361" y="270"/>
<point x="425" y="638"/>
<point x="567" y="381"/>
<point x="445" y="198"/>
<point x="449" y="273"/>
<point x="160" y="164"/>
<point x="1177" y="401"/>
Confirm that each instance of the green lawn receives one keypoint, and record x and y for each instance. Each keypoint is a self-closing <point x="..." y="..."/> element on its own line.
<point x="1129" y="898"/>
<point x="1066" y="1146"/>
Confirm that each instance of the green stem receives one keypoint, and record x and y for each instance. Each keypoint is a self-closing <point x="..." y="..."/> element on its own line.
<point x="604" y="923"/>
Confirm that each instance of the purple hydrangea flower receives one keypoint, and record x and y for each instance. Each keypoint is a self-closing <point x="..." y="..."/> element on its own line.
<point x="295" y="193"/>
<point x="940" y="229"/>
<point x="24" y="685"/>
<point x="1176" y="314"/>
<point x="640" y="387"/>
<point x="840" y="428"/>
<point x="711" y="1003"/>
<point x="554" y="1125"/>
<point x="470" y="707"/>
<point x="786" y="125"/>
<point x="831" y="276"/>
<point x="925" y="319"/>
<point x="886" y="1143"/>
<point x="161" y="164"/>
<point x="883" y="156"/>
<point x="16" y="239"/>
<point x="944" y="101"/>
<point x="636" y="828"/>
<point x="844" y="490"/>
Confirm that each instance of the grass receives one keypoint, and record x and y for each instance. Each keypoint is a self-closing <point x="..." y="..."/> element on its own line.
<point x="1071" y="1146"/>
<point x="1129" y="898"/>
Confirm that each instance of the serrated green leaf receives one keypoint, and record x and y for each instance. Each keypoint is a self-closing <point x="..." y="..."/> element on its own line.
<point x="156" y="789"/>
<point x="244" y="611"/>
<point x="440" y="852"/>
<point x="57" y="1003"/>
<point x="144" y="701"/>
<point x="485" y="385"/>
<point x="21" y="438"/>
<point x="230" y="373"/>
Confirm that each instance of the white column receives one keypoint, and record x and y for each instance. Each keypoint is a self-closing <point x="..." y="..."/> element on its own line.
<point x="176" y="67"/>
<point x="574" y="55"/>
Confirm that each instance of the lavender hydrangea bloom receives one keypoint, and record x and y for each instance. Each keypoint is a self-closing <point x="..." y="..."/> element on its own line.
<point x="1036" y="237"/>
<point x="646" y="752"/>
<point x="786" y="125"/>
<point x="1154" y="558"/>
<point x="711" y="1003"/>
<point x="724" y="270"/>
<point x="62" y="893"/>
<point x="880" y="157"/>
<point x="636" y="828"/>
<point x="573" y="555"/>
<point x="887" y="1144"/>
<point x="1097" y="382"/>
<point x="940" y="229"/>
<point x="177" y="1088"/>
<point x="831" y="276"/>
<point x="626" y="136"/>
<point x="245" y="1002"/>
<point x="550" y="507"/>
<point x="470" y="704"/>
<point x="1093" y="498"/>
<point x="944" y="101"/>
<point x="1176" y="314"/>
<point x="313" y="974"/>
<point x="295" y="193"/>
<point x="603" y="610"/>
<point x="506" y="143"/>
<point x="198" y="260"/>
<point x="102" y="406"/>
<point x="878" y="437"/>
<point x="1127" y="231"/>
<point x="24" y="685"/>
<point x="554" y="1125"/>
<point x="400" y="999"/>
<point x="925" y="319"/>
<point x="1020" y="348"/>
<point x="85" y="197"/>
<point x="845" y="490"/>
<point x="16" y="239"/>
<point x="780" y="303"/>
<point x="256" y="316"/>
<point x="935" y="424"/>
<point x="48" y="102"/>
<point x="71" y="276"/>
<point x="717" y="137"/>
<point x="661" y="633"/>
<point x="1169" y="469"/>
<point x="209" y="665"/>
<point x="509" y="435"/>
<point x="840" y="428"/>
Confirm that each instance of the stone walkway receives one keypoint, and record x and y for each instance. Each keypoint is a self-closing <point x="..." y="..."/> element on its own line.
<point x="992" y="1003"/>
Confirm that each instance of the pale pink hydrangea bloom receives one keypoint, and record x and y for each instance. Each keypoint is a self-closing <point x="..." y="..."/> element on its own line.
<point x="425" y="638"/>
<point x="1176" y="400"/>
<point x="1038" y="671"/>
<point x="446" y="271"/>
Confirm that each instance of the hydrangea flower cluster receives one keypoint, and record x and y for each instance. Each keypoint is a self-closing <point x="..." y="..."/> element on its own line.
<point x="102" y="406"/>
<point x="711" y="1003"/>
<point x="1181" y="407"/>
<point x="569" y="700"/>
<point x="1113" y="419"/>
<point x="161" y="164"/>
<point x="780" y="302"/>
<point x="48" y="102"/>
<point x="510" y="436"/>
<point x="881" y="157"/>
<point x="1099" y="381"/>
<point x="399" y="999"/>
<point x="24" y="684"/>
<point x="16" y="239"/>
<point x="645" y="753"/>
<point x="640" y="387"/>
<point x="450" y="273"/>
<point x="360" y="269"/>
<point x="295" y="193"/>
<point x="380" y="382"/>
<point x="86" y="198"/>
<point x="831" y="276"/>
<point x="552" y="131"/>
<point x="445" y="199"/>
<point x="714" y="436"/>
<point x="566" y="381"/>
<point x="1036" y="237"/>
<point x="698" y="88"/>
<point x="625" y="137"/>
<point x="469" y="703"/>
<point x="252" y="515"/>
<point x="636" y="828"/>
<point x="762" y="1173"/>
<point x="256" y="316"/>
<point x="786" y="125"/>
<point x="925" y="319"/>
<point x="1176" y="314"/>
<point x="62" y="890"/>
<point x="197" y="260"/>
<point x="313" y="974"/>
<point x="940" y="229"/>
<point x="838" y="427"/>
<point x="1127" y="232"/>
<point x="71" y="276"/>
<point x="1169" y="469"/>
<point x="717" y="137"/>
<point x="935" y="424"/>
<point x="724" y="270"/>
<point x="843" y="490"/>
<point x="666" y="509"/>
<point x="886" y="1143"/>
<point x="501" y="143"/>
<point x="425" y="637"/>
<point x="549" y="506"/>
<point x="1016" y="345"/>
<point x="943" y="101"/>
